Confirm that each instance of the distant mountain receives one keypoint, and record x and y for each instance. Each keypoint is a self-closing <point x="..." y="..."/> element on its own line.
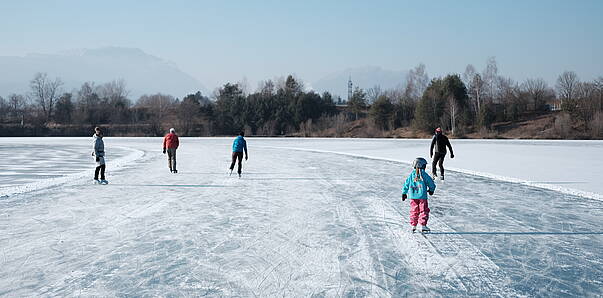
<point x="363" y="77"/>
<point x="143" y="73"/>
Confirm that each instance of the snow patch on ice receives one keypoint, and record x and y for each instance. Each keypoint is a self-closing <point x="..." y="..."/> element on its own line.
<point x="117" y="164"/>
<point x="561" y="189"/>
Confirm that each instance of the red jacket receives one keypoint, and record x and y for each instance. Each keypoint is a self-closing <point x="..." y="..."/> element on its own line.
<point x="170" y="141"/>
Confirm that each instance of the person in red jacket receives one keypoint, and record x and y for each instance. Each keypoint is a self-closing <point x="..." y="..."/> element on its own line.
<point x="170" y="142"/>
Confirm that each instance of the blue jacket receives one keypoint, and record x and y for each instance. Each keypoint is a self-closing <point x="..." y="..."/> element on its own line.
<point x="418" y="189"/>
<point x="239" y="145"/>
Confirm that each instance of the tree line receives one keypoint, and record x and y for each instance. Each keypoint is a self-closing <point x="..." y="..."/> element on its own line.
<point x="475" y="101"/>
<point x="460" y="103"/>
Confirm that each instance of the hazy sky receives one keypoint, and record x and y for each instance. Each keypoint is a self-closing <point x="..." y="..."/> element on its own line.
<point x="219" y="41"/>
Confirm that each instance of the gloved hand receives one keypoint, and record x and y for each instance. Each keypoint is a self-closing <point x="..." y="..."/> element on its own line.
<point x="451" y="155"/>
<point x="163" y="151"/>
<point x="246" y="156"/>
<point x="404" y="196"/>
<point x="97" y="159"/>
<point x="430" y="155"/>
<point x="430" y="192"/>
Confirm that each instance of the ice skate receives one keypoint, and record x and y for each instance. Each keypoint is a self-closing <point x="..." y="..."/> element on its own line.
<point x="104" y="182"/>
<point x="414" y="229"/>
<point x="96" y="181"/>
<point x="175" y="171"/>
<point x="425" y="229"/>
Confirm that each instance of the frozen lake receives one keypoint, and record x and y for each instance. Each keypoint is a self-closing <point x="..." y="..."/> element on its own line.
<point x="310" y="217"/>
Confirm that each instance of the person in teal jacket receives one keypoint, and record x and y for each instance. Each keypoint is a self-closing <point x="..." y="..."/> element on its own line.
<point x="416" y="187"/>
<point x="238" y="146"/>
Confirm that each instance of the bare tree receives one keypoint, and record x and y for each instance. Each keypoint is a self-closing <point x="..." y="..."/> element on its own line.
<point x="473" y="82"/>
<point x="87" y="103"/>
<point x="85" y="91"/>
<point x="452" y="111"/>
<point x="416" y="82"/>
<point x="157" y="106"/>
<point x="596" y="125"/>
<point x="509" y="93"/>
<point x="490" y="77"/>
<point x="114" y="101"/>
<point x="113" y="91"/>
<point x="475" y="91"/>
<point x="536" y="90"/>
<point x="373" y="93"/>
<point x="468" y="75"/>
<point x="4" y="109"/>
<point x="567" y="86"/>
<point x="45" y="91"/>
<point x="599" y="86"/>
<point x="587" y="100"/>
<point x="244" y="85"/>
<point x="16" y="103"/>
<point x="266" y="88"/>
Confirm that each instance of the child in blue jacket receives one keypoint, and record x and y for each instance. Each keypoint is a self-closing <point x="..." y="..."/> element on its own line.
<point x="416" y="187"/>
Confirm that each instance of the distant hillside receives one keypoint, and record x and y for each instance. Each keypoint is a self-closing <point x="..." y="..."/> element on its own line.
<point x="142" y="72"/>
<point x="363" y="77"/>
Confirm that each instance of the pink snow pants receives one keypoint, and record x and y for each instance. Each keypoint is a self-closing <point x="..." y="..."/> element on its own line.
<point x="419" y="212"/>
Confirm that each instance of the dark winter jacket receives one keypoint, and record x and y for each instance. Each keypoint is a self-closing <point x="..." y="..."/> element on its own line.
<point x="171" y="141"/>
<point x="239" y="145"/>
<point x="440" y="142"/>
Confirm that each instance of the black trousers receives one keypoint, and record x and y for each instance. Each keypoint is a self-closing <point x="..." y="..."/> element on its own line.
<point x="100" y="169"/>
<point x="237" y="156"/>
<point x="438" y="159"/>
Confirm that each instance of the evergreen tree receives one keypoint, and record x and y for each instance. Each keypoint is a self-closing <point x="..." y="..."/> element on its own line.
<point x="229" y="109"/>
<point x="357" y="103"/>
<point x="444" y="103"/>
<point x="381" y="112"/>
<point x="64" y="109"/>
<point x="430" y="108"/>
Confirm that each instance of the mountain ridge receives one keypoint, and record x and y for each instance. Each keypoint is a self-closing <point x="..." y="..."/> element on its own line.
<point x="142" y="72"/>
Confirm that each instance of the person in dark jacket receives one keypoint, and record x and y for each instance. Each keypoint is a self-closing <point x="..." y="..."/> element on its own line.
<point x="170" y="144"/>
<point x="238" y="146"/>
<point x="439" y="142"/>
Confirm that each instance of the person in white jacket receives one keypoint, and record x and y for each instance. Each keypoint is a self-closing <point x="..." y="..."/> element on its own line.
<point x="99" y="156"/>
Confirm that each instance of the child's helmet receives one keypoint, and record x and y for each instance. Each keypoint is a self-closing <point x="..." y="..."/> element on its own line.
<point x="419" y="163"/>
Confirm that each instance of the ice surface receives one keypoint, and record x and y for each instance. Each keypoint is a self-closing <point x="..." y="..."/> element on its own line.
<point x="28" y="164"/>
<point x="570" y="167"/>
<point x="299" y="223"/>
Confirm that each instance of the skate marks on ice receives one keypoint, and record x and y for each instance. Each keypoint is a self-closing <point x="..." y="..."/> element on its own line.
<point x="47" y="168"/>
<point x="517" y="233"/>
<point x="543" y="241"/>
<point x="550" y="242"/>
<point x="253" y="238"/>
<point x="411" y="264"/>
<point x="343" y="232"/>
